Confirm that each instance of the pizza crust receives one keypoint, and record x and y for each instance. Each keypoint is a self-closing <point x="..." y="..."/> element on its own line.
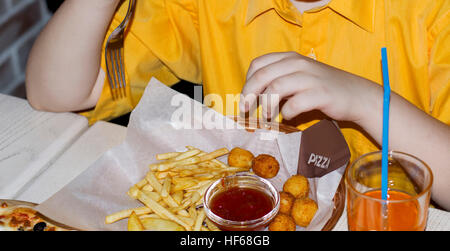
<point x="19" y="218"/>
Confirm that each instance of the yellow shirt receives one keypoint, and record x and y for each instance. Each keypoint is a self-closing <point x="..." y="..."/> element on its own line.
<point x="214" y="41"/>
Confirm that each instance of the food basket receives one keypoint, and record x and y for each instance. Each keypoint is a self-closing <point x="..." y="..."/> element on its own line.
<point x="252" y="124"/>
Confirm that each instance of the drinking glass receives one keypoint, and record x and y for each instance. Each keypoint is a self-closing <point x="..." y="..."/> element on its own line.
<point x="409" y="191"/>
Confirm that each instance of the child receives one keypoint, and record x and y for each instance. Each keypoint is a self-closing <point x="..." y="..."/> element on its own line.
<point x="321" y="56"/>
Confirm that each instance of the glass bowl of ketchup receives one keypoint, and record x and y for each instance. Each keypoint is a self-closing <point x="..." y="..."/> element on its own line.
<point x="241" y="202"/>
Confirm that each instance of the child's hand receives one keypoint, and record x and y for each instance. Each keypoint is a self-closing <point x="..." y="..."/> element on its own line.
<point x="306" y="85"/>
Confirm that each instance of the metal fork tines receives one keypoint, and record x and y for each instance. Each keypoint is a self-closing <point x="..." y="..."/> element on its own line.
<point x="114" y="56"/>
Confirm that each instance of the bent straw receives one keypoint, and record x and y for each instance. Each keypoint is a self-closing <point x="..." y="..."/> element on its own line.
<point x="385" y="139"/>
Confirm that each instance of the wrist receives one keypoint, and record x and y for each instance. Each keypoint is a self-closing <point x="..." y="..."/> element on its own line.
<point x="369" y="110"/>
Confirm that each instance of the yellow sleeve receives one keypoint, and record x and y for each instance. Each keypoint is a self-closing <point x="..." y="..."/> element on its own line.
<point x="162" y="42"/>
<point x="439" y="65"/>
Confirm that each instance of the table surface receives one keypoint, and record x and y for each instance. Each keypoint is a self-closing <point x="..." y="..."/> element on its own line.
<point x="42" y="152"/>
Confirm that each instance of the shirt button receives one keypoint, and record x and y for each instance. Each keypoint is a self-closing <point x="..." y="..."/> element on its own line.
<point x="312" y="54"/>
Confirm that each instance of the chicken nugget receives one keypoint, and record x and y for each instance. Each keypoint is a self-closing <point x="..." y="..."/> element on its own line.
<point x="286" y="200"/>
<point x="239" y="157"/>
<point x="297" y="185"/>
<point x="282" y="222"/>
<point x="265" y="166"/>
<point x="303" y="211"/>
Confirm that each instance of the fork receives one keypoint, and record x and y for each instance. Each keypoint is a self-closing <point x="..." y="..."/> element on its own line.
<point x="114" y="56"/>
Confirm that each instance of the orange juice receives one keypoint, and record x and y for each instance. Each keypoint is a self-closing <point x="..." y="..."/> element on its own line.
<point x="402" y="213"/>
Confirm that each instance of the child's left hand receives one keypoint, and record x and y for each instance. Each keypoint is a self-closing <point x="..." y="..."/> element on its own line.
<point x="306" y="85"/>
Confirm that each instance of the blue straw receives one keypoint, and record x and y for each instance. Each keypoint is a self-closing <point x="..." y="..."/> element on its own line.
<point x="385" y="142"/>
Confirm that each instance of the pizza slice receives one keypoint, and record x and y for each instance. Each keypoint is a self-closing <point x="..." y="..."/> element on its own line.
<point x="20" y="218"/>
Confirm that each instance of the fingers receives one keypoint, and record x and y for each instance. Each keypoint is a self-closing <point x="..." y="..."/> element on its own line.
<point x="277" y="76"/>
<point x="281" y="88"/>
<point x="305" y="84"/>
<point x="263" y="71"/>
<point x="305" y="101"/>
<point x="265" y="60"/>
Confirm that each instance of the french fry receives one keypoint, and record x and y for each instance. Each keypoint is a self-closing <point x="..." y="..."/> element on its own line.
<point x="133" y="191"/>
<point x="186" y="173"/>
<point x="173" y="188"/>
<point x="162" y="175"/>
<point x="192" y="212"/>
<point x="170" y="201"/>
<point x="183" y="212"/>
<point x="189" y="161"/>
<point x="206" y="176"/>
<point x="177" y="160"/>
<point x="149" y="216"/>
<point x="126" y="213"/>
<point x="181" y="180"/>
<point x="160" y="210"/>
<point x="134" y="224"/>
<point x="178" y="196"/>
<point x="186" y="167"/>
<point x="154" y="195"/>
<point x="187" y="154"/>
<point x="199" y="220"/>
<point x="162" y="189"/>
<point x="188" y="220"/>
<point x="155" y="224"/>
<point x="141" y="183"/>
<point x="183" y="185"/>
<point x="147" y="187"/>
<point x="166" y="187"/>
<point x="164" y="166"/>
<point x="202" y="189"/>
<point x="200" y="185"/>
<point x="185" y="204"/>
<point x="215" y="161"/>
<point x="213" y="155"/>
<point x="166" y="156"/>
<point x="198" y="171"/>
<point x="211" y="225"/>
<point x="153" y="181"/>
<point x="163" y="204"/>
<point x="194" y="198"/>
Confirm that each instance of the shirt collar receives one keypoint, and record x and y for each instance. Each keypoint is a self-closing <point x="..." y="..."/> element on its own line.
<point x="361" y="13"/>
<point x="258" y="7"/>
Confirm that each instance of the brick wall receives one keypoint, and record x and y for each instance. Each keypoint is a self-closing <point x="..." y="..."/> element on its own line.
<point x="20" y="23"/>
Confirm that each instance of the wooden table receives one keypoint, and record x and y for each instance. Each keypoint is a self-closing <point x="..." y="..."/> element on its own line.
<point x="41" y="152"/>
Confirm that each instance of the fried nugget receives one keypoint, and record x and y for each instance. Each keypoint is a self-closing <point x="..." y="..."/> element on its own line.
<point x="282" y="222"/>
<point x="303" y="211"/>
<point x="265" y="166"/>
<point x="239" y="157"/>
<point x="286" y="200"/>
<point x="297" y="185"/>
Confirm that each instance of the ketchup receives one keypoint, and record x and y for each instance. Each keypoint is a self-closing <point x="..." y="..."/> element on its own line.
<point x="241" y="204"/>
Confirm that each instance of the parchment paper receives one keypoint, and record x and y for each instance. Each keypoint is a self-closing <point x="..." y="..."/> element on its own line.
<point x="101" y="189"/>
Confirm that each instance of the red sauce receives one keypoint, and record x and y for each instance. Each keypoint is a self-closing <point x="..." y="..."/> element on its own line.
<point x="241" y="204"/>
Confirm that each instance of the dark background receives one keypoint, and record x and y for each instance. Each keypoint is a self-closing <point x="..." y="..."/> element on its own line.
<point x="53" y="4"/>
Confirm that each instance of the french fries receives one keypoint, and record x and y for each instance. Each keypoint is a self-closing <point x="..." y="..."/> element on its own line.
<point x="155" y="224"/>
<point x="134" y="224"/>
<point x="126" y="213"/>
<point x="172" y="191"/>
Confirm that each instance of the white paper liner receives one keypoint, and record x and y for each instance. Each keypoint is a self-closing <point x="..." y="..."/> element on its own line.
<point x="101" y="189"/>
